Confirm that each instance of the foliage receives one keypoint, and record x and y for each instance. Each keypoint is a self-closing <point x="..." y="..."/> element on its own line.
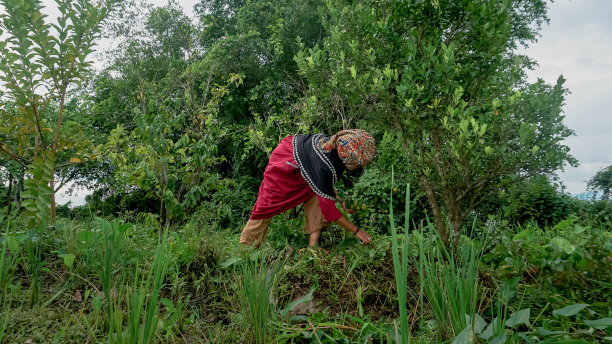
<point x="569" y="256"/>
<point x="41" y="61"/>
<point x="176" y="169"/>
<point x="443" y="82"/>
<point x="255" y="292"/>
<point x="602" y="181"/>
<point x="449" y="281"/>
<point x="401" y="267"/>
<point x="142" y="302"/>
<point x="532" y="200"/>
<point x="368" y="197"/>
<point x="594" y="213"/>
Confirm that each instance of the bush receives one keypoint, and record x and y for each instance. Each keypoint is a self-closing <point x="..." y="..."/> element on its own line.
<point x="369" y="196"/>
<point x="596" y="213"/>
<point x="533" y="200"/>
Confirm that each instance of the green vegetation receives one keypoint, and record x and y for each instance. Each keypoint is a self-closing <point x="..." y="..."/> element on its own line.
<point x="172" y="135"/>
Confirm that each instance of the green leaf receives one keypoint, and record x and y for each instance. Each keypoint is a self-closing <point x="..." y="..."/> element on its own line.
<point x="501" y="339"/>
<point x="69" y="259"/>
<point x="479" y="324"/>
<point x="518" y="318"/>
<point x="353" y="72"/>
<point x="562" y="245"/>
<point x="492" y="329"/>
<point x="97" y="303"/>
<point x="600" y="324"/>
<point x="86" y="236"/>
<point x="508" y="290"/>
<point x="303" y="299"/>
<point x="464" y="337"/>
<point x="231" y="262"/>
<point x="13" y="244"/>
<point x="544" y="332"/>
<point x="570" y="310"/>
<point x="167" y="302"/>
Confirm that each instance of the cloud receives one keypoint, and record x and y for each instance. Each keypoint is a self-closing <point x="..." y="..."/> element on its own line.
<point x="577" y="45"/>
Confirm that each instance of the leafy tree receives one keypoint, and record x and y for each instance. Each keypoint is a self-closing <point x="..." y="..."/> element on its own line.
<point x="171" y="156"/>
<point x="160" y="90"/>
<point x="40" y="62"/>
<point x="260" y="46"/>
<point x="443" y="86"/>
<point x="602" y="181"/>
<point x="217" y="19"/>
<point x="146" y="66"/>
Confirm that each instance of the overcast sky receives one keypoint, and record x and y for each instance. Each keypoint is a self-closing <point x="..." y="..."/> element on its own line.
<point x="577" y="44"/>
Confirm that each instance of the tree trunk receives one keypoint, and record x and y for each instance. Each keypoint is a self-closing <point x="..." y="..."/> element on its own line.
<point x="52" y="186"/>
<point x="455" y="219"/>
<point x="437" y="213"/>
<point x="9" y="202"/>
<point x="60" y="116"/>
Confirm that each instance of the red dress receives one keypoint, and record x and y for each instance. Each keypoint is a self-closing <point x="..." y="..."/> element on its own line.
<point x="283" y="187"/>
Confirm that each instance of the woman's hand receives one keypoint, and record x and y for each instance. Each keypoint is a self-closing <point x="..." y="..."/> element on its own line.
<point x="363" y="236"/>
<point x="350" y="211"/>
<point x="359" y="233"/>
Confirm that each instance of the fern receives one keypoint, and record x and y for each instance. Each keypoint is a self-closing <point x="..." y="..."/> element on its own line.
<point x="37" y="192"/>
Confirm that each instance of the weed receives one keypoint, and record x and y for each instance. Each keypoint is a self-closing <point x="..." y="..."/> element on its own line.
<point x="401" y="267"/>
<point x="141" y="300"/>
<point x="449" y="281"/>
<point x="255" y="292"/>
<point x="32" y="248"/>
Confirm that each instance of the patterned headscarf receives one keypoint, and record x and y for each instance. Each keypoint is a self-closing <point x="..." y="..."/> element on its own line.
<point x="356" y="147"/>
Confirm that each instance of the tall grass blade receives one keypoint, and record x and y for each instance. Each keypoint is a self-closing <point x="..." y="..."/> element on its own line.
<point x="449" y="280"/>
<point x="5" y="269"/>
<point x="255" y="293"/>
<point x="140" y="302"/>
<point x="401" y="266"/>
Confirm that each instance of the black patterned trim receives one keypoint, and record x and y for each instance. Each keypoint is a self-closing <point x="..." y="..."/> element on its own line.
<point x="306" y="177"/>
<point x="324" y="158"/>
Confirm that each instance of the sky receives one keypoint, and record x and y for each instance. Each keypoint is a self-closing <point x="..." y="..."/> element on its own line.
<point x="576" y="44"/>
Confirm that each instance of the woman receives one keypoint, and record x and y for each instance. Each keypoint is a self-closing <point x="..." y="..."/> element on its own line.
<point x="303" y="169"/>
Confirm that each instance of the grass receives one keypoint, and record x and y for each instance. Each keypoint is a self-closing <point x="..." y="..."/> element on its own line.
<point x="400" y="266"/>
<point x="5" y="267"/>
<point x="189" y="297"/>
<point x="255" y="292"/>
<point x="449" y="281"/>
<point x="139" y="302"/>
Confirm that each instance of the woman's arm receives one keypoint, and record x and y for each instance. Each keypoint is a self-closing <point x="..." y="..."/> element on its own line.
<point x="343" y="203"/>
<point x="359" y="233"/>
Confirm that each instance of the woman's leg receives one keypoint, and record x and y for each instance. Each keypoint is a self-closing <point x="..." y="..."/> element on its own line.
<point x="255" y="232"/>
<point x="315" y="222"/>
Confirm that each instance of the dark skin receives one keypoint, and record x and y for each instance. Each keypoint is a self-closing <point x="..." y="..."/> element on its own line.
<point x="346" y="224"/>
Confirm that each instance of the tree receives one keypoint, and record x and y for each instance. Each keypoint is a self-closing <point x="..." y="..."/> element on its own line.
<point x="441" y="83"/>
<point x="602" y="181"/>
<point x="40" y="63"/>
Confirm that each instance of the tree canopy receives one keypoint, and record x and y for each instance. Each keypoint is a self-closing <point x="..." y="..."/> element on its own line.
<point x="187" y="111"/>
<point x="602" y="181"/>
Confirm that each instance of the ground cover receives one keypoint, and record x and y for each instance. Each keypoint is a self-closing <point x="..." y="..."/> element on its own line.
<point x="111" y="281"/>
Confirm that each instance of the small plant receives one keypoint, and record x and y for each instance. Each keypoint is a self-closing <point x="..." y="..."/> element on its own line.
<point x="139" y="302"/>
<point x="449" y="280"/>
<point x="6" y="265"/>
<point x="255" y="292"/>
<point x="35" y="264"/>
<point x="401" y="266"/>
<point x="112" y="235"/>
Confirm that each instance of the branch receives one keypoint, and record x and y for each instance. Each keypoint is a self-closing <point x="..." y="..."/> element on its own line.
<point x="13" y="156"/>
<point x="65" y="181"/>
